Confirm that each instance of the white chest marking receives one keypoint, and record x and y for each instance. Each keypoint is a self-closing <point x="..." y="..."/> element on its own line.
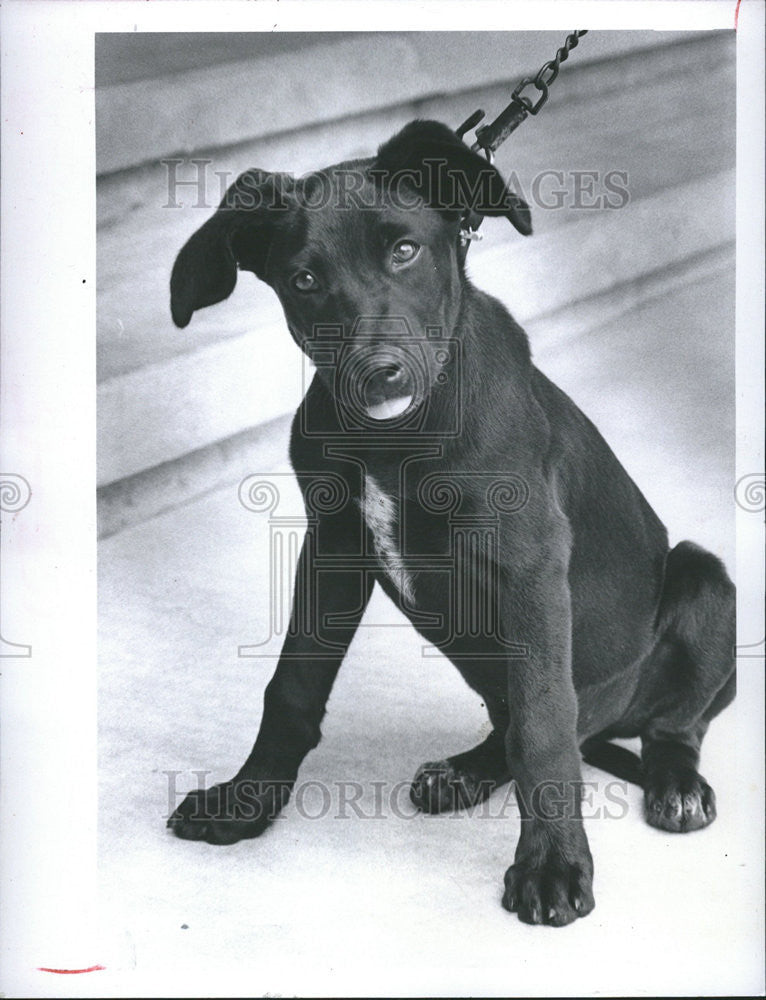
<point x="381" y="515"/>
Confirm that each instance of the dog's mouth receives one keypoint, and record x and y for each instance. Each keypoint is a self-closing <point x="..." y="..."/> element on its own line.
<point x="379" y="385"/>
<point x="388" y="391"/>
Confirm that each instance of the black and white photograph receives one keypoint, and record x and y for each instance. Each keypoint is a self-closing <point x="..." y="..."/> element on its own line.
<point x="382" y="499"/>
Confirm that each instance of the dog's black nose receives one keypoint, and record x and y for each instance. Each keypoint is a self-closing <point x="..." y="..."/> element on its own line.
<point x="393" y="374"/>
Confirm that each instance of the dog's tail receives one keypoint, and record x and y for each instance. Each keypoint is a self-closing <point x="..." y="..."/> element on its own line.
<point x="622" y="763"/>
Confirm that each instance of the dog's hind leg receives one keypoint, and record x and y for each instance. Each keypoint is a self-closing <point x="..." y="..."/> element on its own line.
<point x="693" y="679"/>
<point x="466" y="779"/>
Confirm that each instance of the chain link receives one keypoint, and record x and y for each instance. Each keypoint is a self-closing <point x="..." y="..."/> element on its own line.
<point x="489" y="137"/>
<point x="548" y="73"/>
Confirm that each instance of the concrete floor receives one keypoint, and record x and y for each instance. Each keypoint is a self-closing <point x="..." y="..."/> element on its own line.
<point x="387" y="903"/>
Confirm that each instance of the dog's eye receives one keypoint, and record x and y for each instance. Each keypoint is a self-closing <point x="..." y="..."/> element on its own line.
<point x="405" y="251"/>
<point x="304" y="281"/>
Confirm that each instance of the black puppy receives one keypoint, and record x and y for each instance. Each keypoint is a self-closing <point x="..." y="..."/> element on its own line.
<point x="482" y="501"/>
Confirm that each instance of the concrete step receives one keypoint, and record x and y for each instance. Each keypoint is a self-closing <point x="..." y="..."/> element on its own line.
<point x="278" y="87"/>
<point x="162" y="411"/>
<point x="663" y="116"/>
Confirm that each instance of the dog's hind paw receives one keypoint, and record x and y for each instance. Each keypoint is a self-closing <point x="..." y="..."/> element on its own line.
<point x="679" y="801"/>
<point x="440" y="786"/>
<point x="232" y="811"/>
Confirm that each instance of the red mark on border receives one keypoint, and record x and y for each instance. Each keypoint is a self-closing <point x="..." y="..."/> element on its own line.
<point x="736" y="14"/>
<point x="72" y="972"/>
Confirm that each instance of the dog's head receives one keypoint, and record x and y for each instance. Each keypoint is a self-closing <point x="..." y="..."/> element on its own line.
<point x="365" y="251"/>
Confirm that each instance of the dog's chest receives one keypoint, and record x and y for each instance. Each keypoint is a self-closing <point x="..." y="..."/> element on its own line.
<point x="381" y="511"/>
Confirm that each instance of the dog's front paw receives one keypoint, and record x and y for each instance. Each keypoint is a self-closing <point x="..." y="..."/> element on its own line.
<point x="554" y="892"/>
<point x="679" y="801"/>
<point x="232" y="811"/>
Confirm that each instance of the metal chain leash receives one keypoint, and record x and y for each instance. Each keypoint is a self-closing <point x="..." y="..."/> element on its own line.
<point x="548" y="73"/>
<point x="489" y="137"/>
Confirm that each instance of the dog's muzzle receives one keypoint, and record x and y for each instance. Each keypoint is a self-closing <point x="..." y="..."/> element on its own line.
<point x="380" y="384"/>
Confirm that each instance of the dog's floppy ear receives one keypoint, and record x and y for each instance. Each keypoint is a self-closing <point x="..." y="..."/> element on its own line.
<point x="448" y="175"/>
<point x="238" y="235"/>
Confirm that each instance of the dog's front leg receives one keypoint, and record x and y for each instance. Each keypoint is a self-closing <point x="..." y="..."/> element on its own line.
<point x="550" y="881"/>
<point x="324" y="618"/>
